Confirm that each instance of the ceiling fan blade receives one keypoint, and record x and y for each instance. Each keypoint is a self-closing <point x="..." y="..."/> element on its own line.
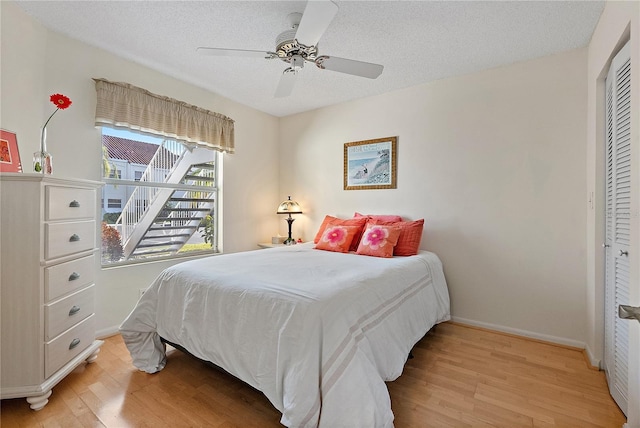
<point x="234" y="52"/>
<point x="350" y="66"/>
<point x="316" y="18"/>
<point x="287" y="82"/>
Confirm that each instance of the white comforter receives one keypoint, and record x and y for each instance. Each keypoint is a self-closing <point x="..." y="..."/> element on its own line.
<point x="317" y="332"/>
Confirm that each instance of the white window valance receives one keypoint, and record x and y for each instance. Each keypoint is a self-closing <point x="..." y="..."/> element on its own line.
<point x="121" y="105"/>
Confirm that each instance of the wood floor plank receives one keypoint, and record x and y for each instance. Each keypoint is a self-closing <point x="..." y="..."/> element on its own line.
<point x="498" y="416"/>
<point x="460" y="377"/>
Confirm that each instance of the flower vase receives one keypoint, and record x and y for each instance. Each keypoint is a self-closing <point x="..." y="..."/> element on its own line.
<point x="42" y="159"/>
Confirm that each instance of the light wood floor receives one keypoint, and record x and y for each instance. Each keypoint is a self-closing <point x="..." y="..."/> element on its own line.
<point x="460" y="376"/>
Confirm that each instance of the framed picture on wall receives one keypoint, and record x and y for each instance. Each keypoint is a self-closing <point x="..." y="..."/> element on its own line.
<point x="370" y="164"/>
<point x="9" y="155"/>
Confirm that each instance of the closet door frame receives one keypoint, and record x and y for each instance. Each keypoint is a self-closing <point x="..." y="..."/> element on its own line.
<point x="618" y="224"/>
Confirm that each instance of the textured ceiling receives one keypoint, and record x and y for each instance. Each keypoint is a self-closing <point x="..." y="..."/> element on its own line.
<point x="416" y="41"/>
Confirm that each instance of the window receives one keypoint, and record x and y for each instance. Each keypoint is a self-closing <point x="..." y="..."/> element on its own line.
<point x="161" y="199"/>
<point x="114" y="203"/>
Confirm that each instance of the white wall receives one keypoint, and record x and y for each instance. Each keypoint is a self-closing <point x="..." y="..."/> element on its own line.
<point x="37" y="63"/>
<point x="494" y="162"/>
<point x="619" y="23"/>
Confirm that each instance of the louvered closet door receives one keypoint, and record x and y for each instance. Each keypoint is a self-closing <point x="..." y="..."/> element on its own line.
<point x="618" y="205"/>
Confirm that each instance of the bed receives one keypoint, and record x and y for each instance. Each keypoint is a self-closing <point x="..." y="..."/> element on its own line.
<point x="318" y="332"/>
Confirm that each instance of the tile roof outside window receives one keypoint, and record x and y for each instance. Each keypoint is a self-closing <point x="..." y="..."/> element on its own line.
<point x="129" y="150"/>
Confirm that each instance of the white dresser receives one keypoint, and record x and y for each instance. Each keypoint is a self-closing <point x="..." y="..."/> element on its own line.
<point x="48" y="257"/>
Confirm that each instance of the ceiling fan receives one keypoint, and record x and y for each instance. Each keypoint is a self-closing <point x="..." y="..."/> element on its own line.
<point x="300" y="44"/>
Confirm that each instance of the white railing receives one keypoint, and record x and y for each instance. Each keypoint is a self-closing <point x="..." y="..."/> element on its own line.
<point x="182" y="218"/>
<point x="160" y="167"/>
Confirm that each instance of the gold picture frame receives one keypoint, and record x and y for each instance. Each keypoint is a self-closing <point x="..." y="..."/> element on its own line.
<point x="370" y="164"/>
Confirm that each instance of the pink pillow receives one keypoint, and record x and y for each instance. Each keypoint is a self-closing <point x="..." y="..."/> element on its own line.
<point x="324" y="224"/>
<point x="378" y="217"/>
<point x="378" y="240"/>
<point x="359" y="222"/>
<point x="410" y="236"/>
<point x="337" y="237"/>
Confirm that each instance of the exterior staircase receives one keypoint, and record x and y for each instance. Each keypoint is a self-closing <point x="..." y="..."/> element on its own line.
<point x="160" y="220"/>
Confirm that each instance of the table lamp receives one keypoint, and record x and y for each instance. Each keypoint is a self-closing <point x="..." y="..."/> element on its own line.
<point x="289" y="207"/>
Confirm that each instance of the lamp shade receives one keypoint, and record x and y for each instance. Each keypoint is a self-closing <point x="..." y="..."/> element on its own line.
<point x="289" y="207"/>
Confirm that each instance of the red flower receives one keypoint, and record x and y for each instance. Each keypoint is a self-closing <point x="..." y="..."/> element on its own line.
<point x="60" y="101"/>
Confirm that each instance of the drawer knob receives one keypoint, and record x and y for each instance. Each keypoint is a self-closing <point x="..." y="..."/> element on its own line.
<point x="74" y="276"/>
<point x="75" y="342"/>
<point x="74" y="238"/>
<point x="74" y="310"/>
<point x="74" y="204"/>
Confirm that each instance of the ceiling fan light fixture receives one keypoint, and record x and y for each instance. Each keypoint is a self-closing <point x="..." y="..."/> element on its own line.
<point x="297" y="62"/>
<point x="288" y="48"/>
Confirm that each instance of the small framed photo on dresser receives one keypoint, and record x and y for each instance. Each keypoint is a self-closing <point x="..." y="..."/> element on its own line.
<point x="9" y="155"/>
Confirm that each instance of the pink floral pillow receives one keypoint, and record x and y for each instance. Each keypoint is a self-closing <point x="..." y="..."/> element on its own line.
<point x="410" y="236"/>
<point x="378" y="240"/>
<point x="360" y="222"/>
<point x="337" y="237"/>
<point x="327" y="219"/>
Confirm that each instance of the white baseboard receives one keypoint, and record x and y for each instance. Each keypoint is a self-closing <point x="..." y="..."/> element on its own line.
<point x="106" y="332"/>
<point x="595" y="362"/>
<point x="525" y="333"/>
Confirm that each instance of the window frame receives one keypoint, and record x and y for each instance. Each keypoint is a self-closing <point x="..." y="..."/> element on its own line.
<point x="215" y="244"/>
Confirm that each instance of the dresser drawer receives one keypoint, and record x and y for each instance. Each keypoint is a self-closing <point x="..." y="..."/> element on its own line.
<point x="64" y="313"/>
<point x="64" y="203"/>
<point x="63" y="348"/>
<point x="62" y="239"/>
<point x="67" y="277"/>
